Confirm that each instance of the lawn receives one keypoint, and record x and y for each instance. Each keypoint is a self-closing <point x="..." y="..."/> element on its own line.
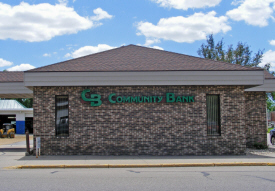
<point x="269" y="129"/>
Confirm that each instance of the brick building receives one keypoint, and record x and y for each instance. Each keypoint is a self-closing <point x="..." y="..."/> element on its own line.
<point x="134" y="100"/>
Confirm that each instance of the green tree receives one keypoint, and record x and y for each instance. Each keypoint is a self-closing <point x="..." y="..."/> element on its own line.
<point x="270" y="97"/>
<point x="241" y="55"/>
<point x="25" y="101"/>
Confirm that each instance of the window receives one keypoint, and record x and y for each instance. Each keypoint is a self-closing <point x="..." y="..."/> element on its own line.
<point x="62" y="115"/>
<point x="213" y="114"/>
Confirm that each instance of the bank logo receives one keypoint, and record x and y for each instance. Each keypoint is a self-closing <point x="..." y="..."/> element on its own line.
<point x="95" y="98"/>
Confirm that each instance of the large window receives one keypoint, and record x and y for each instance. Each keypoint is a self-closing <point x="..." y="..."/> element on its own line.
<point x="213" y="114"/>
<point x="62" y="115"/>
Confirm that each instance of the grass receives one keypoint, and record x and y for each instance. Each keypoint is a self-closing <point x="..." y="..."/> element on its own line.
<point x="268" y="130"/>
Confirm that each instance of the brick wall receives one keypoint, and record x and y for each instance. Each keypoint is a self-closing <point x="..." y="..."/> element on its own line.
<point x="255" y="108"/>
<point x="141" y="128"/>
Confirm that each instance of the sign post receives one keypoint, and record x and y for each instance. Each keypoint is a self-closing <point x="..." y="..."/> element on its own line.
<point x="37" y="146"/>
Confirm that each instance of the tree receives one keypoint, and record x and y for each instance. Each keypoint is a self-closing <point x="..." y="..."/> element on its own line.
<point x="270" y="97"/>
<point x="241" y="55"/>
<point x="25" y="101"/>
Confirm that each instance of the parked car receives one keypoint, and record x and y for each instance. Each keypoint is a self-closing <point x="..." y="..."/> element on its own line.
<point x="272" y="136"/>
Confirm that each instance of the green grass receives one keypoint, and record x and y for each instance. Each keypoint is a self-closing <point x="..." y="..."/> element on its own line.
<point x="269" y="129"/>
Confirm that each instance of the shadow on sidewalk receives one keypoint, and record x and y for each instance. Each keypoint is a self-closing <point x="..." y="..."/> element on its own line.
<point x="110" y="158"/>
<point x="12" y="149"/>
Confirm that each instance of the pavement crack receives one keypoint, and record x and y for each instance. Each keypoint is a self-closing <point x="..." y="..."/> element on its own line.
<point x="54" y="172"/>
<point x="263" y="178"/>
<point x="133" y="171"/>
<point x="205" y="174"/>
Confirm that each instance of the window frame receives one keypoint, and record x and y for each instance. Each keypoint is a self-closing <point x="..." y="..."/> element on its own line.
<point x="56" y="97"/>
<point x="217" y="133"/>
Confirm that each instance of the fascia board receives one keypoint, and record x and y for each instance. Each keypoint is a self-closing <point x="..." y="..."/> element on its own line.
<point x="268" y="86"/>
<point x="143" y="78"/>
<point x="14" y="88"/>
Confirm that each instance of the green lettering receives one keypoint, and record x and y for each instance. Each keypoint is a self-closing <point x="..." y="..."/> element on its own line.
<point x="154" y="97"/>
<point x="140" y="99"/>
<point x="133" y="99"/>
<point x="96" y="100"/>
<point x="185" y="99"/>
<point x="160" y="98"/>
<point x="126" y="99"/>
<point x="178" y="99"/>
<point x="191" y="99"/>
<point x="110" y="98"/>
<point x="119" y="99"/>
<point x="170" y="97"/>
<point x="83" y="95"/>
<point x="146" y="99"/>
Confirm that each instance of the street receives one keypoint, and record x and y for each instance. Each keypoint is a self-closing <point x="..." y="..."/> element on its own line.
<point x="198" y="178"/>
<point x="187" y="178"/>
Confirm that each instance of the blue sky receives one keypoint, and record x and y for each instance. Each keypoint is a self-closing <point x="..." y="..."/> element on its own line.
<point x="35" y="33"/>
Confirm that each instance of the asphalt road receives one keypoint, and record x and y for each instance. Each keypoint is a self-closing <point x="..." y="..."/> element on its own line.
<point x="171" y="179"/>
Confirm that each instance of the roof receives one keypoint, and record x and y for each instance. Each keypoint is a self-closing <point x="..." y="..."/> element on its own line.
<point x="267" y="75"/>
<point x="12" y="76"/>
<point x="11" y="104"/>
<point x="133" y="58"/>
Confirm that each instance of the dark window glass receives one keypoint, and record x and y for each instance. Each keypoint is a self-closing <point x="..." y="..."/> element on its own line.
<point x="213" y="114"/>
<point x="62" y="115"/>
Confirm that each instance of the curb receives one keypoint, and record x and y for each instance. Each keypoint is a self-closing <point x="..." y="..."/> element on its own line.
<point x="142" y="165"/>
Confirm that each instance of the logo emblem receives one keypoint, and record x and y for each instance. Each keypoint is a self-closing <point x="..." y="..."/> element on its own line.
<point x="95" y="98"/>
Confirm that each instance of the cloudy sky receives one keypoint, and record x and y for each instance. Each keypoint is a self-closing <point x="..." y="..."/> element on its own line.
<point x="36" y="33"/>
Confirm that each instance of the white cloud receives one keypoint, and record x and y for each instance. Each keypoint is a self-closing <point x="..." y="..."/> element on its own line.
<point x="5" y="63"/>
<point x="47" y="55"/>
<point x="237" y="2"/>
<point x="253" y="12"/>
<point x="185" y="29"/>
<point x="86" y="50"/>
<point x="272" y="42"/>
<point x="21" y="67"/>
<point x="100" y="14"/>
<point x="67" y="55"/>
<point x="157" y="47"/>
<point x="40" y="22"/>
<point x="63" y="2"/>
<point x="186" y="4"/>
<point x="149" y="41"/>
<point x="269" y="57"/>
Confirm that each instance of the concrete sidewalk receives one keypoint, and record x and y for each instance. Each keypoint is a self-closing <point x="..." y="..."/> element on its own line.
<point x="13" y="155"/>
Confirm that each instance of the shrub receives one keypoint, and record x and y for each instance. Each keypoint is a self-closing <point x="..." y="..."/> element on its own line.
<point x="260" y="145"/>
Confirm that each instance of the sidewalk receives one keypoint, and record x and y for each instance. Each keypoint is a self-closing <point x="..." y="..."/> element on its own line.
<point x="14" y="155"/>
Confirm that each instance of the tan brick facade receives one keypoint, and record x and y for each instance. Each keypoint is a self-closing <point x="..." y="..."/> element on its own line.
<point x="141" y="128"/>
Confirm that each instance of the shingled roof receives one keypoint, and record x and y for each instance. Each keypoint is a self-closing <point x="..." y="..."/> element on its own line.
<point x="267" y="75"/>
<point x="137" y="58"/>
<point x="11" y="76"/>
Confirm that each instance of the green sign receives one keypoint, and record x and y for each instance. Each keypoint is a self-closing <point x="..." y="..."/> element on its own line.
<point x="112" y="98"/>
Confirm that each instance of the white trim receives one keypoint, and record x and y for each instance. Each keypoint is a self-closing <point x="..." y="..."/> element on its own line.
<point x="14" y="90"/>
<point x="144" y="78"/>
<point x="268" y="86"/>
<point x="15" y="110"/>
